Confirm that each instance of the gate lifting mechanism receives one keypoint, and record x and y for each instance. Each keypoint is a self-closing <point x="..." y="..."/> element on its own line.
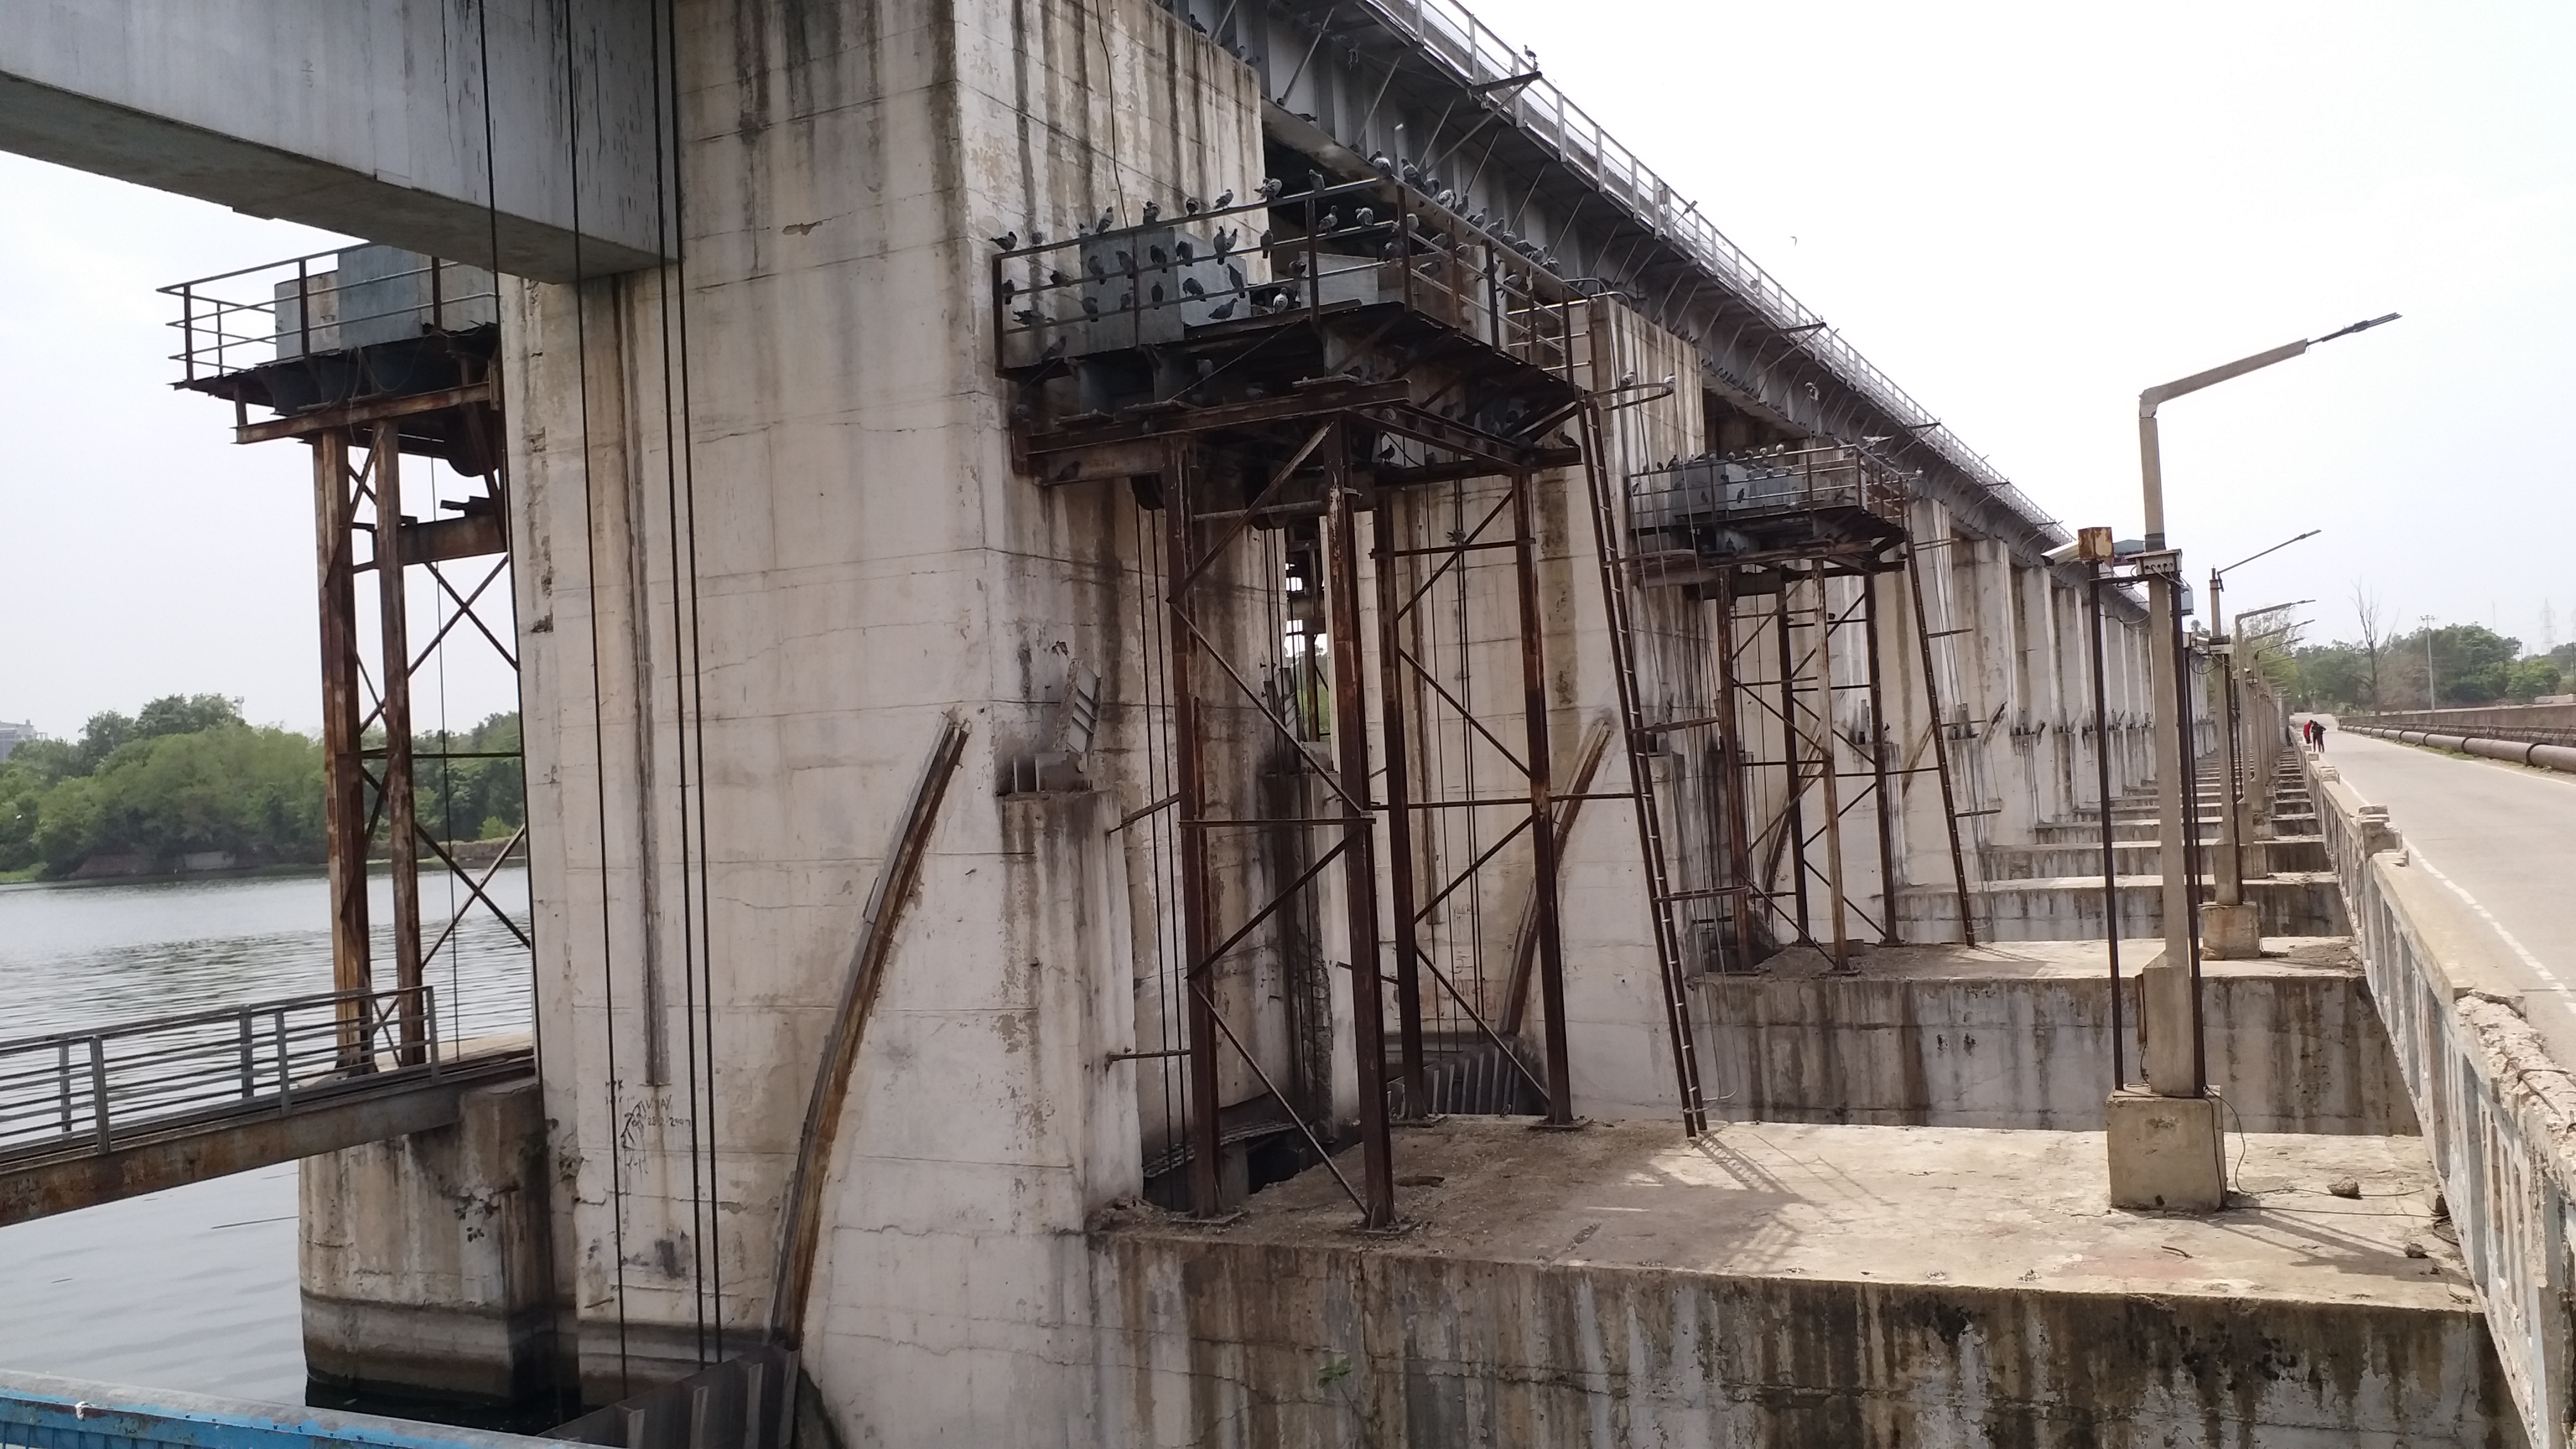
<point x="1766" y="760"/>
<point x="1373" y="352"/>
<point x="386" y="352"/>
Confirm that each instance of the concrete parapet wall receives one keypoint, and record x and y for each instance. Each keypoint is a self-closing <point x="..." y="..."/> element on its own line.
<point x="2020" y="1037"/>
<point x="2499" y="1116"/>
<point x="1283" y="1346"/>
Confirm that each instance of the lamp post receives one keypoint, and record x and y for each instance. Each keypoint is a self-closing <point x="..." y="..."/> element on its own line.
<point x="2432" y="695"/>
<point x="2148" y="1143"/>
<point x="2232" y="939"/>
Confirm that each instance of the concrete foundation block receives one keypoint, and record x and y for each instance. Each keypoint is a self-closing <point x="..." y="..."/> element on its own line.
<point x="2167" y="1153"/>
<point x="2230" y="933"/>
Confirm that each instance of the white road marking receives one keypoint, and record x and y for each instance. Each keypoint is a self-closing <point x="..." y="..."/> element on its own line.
<point x="2488" y="916"/>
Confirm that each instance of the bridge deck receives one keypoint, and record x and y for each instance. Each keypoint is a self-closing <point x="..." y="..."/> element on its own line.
<point x="2498" y="836"/>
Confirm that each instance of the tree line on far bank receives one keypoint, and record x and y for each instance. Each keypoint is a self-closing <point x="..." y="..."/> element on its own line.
<point x="188" y="776"/>
<point x="2452" y="665"/>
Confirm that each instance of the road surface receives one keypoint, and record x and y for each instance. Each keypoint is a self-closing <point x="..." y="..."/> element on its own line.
<point x="2503" y="839"/>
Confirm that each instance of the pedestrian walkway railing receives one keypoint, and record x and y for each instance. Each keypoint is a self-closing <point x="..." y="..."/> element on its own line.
<point x="39" y="1411"/>
<point x="86" y="1090"/>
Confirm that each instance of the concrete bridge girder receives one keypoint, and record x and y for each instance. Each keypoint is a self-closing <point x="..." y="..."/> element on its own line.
<point x="369" y="120"/>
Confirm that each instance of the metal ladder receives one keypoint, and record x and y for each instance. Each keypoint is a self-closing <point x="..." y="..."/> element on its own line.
<point x="1606" y="538"/>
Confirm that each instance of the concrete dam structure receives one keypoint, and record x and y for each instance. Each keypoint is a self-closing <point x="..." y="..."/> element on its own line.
<point x="1231" y="741"/>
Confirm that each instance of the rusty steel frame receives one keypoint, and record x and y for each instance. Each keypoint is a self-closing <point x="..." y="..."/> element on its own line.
<point x="366" y="499"/>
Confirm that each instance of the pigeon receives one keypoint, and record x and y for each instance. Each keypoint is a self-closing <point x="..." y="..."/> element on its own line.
<point x="1378" y="160"/>
<point x="1157" y="296"/>
<point x="1099" y="271"/>
<point x="1329" y="222"/>
<point x="1221" y="311"/>
<point x="1387" y="251"/>
<point x="1009" y="288"/>
<point x="1007" y="241"/>
<point x="1158" y="256"/>
<point x="1412" y="174"/>
<point x="1126" y="301"/>
<point x="1236" y="275"/>
<point x="1271" y="186"/>
<point x="1183" y="250"/>
<point x="1265" y="239"/>
<point x="1448" y="197"/>
<point x="1058" y="279"/>
<point x="1127" y="263"/>
<point x="1190" y="287"/>
<point x="1054" y="350"/>
<point x="1223" y="200"/>
<point x="1628" y="381"/>
<point x="1107" y="220"/>
<point x="1091" y="308"/>
<point x="1037" y="238"/>
<point x="1027" y="317"/>
<point x="1363" y="217"/>
<point x="1153" y="212"/>
<point x="1192" y="206"/>
<point x="1225" y="240"/>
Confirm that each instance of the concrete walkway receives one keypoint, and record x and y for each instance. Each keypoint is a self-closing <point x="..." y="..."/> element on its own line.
<point x="2503" y="839"/>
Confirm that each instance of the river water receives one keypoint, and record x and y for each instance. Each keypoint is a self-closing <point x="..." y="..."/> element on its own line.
<point x="194" y="1289"/>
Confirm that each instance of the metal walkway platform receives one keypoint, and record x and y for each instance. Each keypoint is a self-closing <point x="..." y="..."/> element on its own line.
<point x="90" y="1117"/>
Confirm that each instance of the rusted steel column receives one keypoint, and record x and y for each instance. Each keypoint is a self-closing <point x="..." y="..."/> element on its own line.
<point x="1828" y="771"/>
<point x="402" y="835"/>
<point x="1878" y="765"/>
<point x="1180" y="537"/>
<point x="1398" y="808"/>
<point x="344" y="798"/>
<point x="1543" y="862"/>
<point x="1793" y="746"/>
<point x="1359" y="864"/>
<point x="1736" y="775"/>
<point x="1941" y="748"/>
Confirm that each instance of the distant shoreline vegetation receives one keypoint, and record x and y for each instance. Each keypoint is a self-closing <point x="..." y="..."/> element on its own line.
<point x="187" y="784"/>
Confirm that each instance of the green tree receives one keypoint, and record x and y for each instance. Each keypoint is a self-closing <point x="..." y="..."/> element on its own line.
<point x="2532" y="678"/>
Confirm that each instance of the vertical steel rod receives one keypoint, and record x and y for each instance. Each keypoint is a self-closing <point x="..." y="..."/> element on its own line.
<point x="1887" y="885"/>
<point x="98" y="1087"/>
<point x="1735" y="775"/>
<point x="1359" y="865"/>
<point x="1395" y="742"/>
<point x="344" y="800"/>
<point x="1828" y="772"/>
<point x="2110" y="854"/>
<point x="1543" y="848"/>
<point x="1793" y="743"/>
<point x="1180" y="547"/>
<point x="402" y="836"/>
<point x="1941" y="748"/>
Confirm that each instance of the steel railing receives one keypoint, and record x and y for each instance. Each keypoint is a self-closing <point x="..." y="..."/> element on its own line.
<point x="301" y="307"/>
<point x="90" y="1089"/>
<point x="1443" y="30"/>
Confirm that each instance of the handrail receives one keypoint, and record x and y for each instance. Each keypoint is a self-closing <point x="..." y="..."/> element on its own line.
<point x="1444" y="31"/>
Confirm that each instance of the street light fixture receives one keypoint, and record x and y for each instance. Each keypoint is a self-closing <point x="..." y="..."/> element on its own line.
<point x="2237" y="939"/>
<point x="2175" y="1055"/>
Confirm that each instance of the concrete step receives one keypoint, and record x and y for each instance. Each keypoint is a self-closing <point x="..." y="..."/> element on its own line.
<point x="2069" y="831"/>
<point x="2064" y="908"/>
<point x="2018" y="1036"/>
<point x="2141" y="857"/>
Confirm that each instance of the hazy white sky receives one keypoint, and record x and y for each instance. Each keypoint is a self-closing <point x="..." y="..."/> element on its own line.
<point x="2025" y="213"/>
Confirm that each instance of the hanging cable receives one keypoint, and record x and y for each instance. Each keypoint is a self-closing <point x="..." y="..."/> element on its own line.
<point x="663" y="143"/>
<point x="598" y="715"/>
<point x="697" y="678"/>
